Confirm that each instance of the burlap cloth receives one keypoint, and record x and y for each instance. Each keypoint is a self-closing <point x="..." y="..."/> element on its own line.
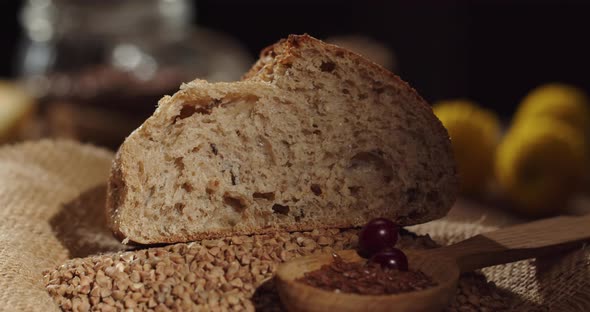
<point x="46" y="188"/>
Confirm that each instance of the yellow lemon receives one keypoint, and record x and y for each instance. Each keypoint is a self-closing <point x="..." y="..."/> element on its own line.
<point x="539" y="163"/>
<point x="559" y="101"/>
<point x="474" y="134"/>
<point x="16" y="106"/>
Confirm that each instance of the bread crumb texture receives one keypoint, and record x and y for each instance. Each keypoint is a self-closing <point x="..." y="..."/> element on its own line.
<point x="314" y="137"/>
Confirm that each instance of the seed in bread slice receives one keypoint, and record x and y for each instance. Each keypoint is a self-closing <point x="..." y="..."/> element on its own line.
<point x="315" y="136"/>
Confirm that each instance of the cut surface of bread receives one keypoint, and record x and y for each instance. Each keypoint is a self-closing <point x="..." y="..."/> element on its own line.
<point x="314" y="136"/>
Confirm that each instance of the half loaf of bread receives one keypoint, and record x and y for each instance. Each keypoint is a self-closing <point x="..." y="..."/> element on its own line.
<point x="315" y="136"/>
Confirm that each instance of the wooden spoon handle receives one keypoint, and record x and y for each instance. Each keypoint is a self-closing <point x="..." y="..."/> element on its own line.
<point x="519" y="242"/>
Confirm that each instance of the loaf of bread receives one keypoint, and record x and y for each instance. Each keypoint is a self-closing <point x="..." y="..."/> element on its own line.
<point x="314" y="136"/>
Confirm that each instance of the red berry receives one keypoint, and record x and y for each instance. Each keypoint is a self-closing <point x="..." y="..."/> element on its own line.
<point x="391" y="258"/>
<point x="377" y="235"/>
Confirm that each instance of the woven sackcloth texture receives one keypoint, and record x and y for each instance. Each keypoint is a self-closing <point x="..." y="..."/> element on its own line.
<point x="36" y="179"/>
<point x="560" y="283"/>
<point x="51" y="210"/>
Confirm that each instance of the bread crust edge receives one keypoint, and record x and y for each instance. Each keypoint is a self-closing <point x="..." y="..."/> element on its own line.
<point x="117" y="189"/>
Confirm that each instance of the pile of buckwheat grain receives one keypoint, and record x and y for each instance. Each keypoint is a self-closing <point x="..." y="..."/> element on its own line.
<point x="230" y="274"/>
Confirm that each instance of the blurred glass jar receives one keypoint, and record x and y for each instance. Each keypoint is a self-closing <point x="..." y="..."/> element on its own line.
<point x="100" y="67"/>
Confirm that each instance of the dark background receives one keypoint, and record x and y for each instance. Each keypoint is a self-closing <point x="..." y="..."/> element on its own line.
<point x="487" y="51"/>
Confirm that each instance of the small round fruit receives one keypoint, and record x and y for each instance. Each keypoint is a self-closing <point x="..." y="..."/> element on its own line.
<point x="16" y="111"/>
<point x="539" y="164"/>
<point x="376" y="235"/>
<point x="391" y="258"/>
<point x="475" y="133"/>
<point x="559" y="101"/>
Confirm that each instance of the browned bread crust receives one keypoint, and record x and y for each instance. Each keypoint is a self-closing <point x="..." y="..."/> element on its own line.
<point x="315" y="136"/>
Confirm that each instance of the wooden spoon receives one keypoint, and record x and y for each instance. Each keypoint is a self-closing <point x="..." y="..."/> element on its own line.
<point x="443" y="265"/>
